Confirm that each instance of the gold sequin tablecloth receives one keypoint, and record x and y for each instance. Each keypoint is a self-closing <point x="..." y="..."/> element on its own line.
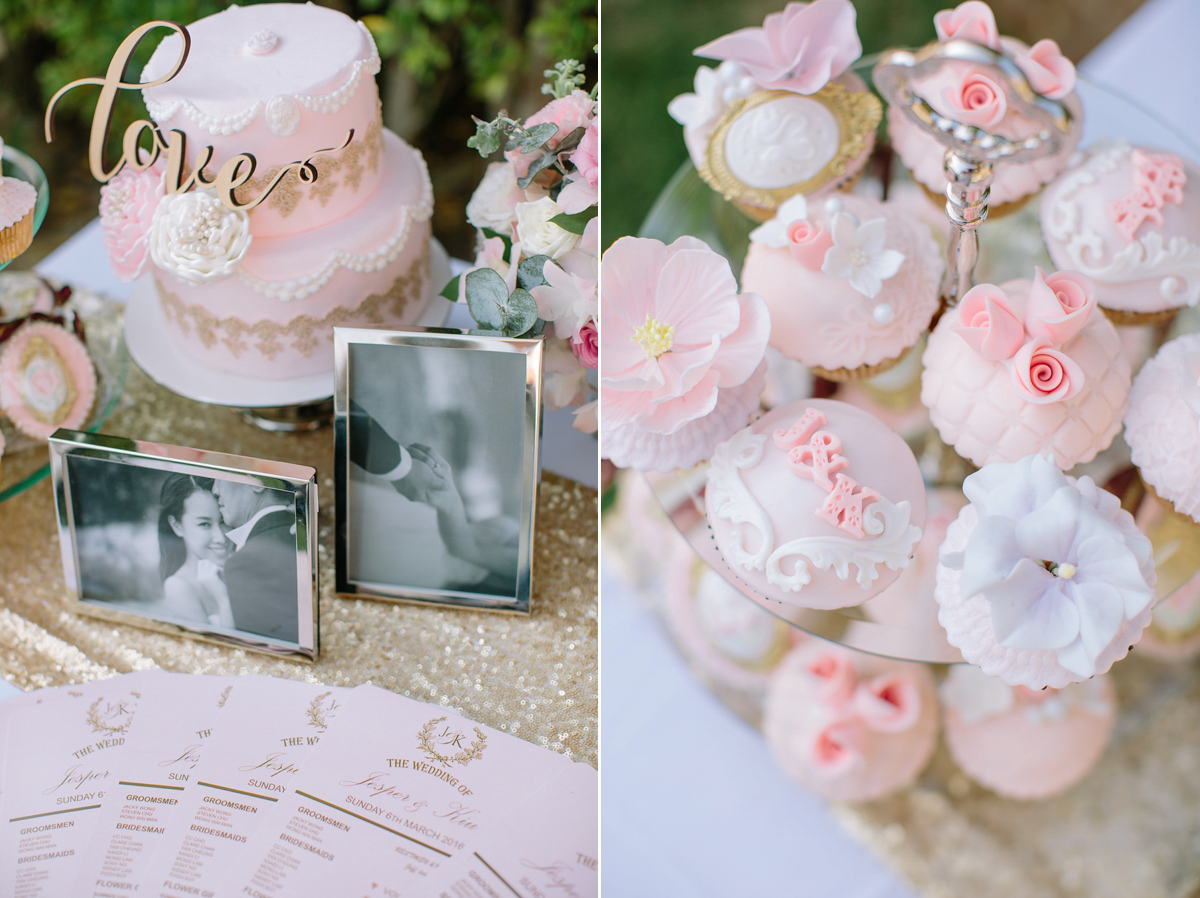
<point x="534" y="677"/>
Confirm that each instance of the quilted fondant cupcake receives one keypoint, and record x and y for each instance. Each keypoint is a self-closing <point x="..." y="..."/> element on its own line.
<point x="1043" y="580"/>
<point x="851" y="283"/>
<point x="817" y="504"/>
<point x="1024" y="743"/>
<point x="1128" y="218"/>
<point x="1026" y="368"/>
<point x="850" y="726"/>
<point x="973" y="95"/>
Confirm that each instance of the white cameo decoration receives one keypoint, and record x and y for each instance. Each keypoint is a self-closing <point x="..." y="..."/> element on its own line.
<point x="283" y="115"/>
<point x="261" y="43"/>
<point x="781" y="142"/>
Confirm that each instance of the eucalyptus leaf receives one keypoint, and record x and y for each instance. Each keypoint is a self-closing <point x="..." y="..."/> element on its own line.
<point x="575" y="223"/>
<point x="450" y="291"/>
<point x="521" y="313"/>
<point x="530" y="272"/>
<point x="571" y="141"/>
<point x="487" y="297"/>
<point x="537" y="136"/>
<point x="536" y="167"/>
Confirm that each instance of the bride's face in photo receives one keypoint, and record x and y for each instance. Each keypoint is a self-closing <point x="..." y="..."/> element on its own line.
<point x="200" y="528"/>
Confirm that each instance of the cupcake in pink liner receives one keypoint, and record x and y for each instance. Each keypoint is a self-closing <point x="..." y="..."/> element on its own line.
<point x="734" y="642"/>
<point x="851" y="283"/>
<point x="1026" y="368"/>
<point x="47" y="379"/>
<point x="781" y="114"/>
<point x="973" y="95"/>
<point x="1043" y="580"/>
<point x="1129" y="218"/>
<point x="818" y="504"/>
<point x="850" y="726"/>
<point x="1023" y="743"/>
<point x="681" y="363"/>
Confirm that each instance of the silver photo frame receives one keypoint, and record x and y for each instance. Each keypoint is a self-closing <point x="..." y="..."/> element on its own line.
<point x="204" y="545"/>
<point x="436" y="440"/>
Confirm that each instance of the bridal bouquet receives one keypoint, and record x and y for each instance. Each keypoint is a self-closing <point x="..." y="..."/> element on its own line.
<point x="535" y="271"/>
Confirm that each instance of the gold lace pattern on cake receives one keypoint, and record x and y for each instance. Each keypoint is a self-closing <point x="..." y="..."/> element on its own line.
<point x="302" y="334"/>
<point x="351" y="163"/>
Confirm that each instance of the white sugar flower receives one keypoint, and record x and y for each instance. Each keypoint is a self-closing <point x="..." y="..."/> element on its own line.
<point x="493" y="205"/>
<point x="716" y="89"/>
<point x="196" y="238"/>
<point x="858" y="254"/>
<point x="775" y="232"/>
<point x="538" y="234"/>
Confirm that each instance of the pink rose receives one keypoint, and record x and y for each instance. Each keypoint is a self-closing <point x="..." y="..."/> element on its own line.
<point x="808" y="243"/>
<point x="970" y="21"/>
<point x="988" y="323"/>
<point x="888" y="704"/>
<point x="583" y="188"/>
<point x="976" y="100"/>
<point x="586" y="346"/>
<point x="127" y="204"/>
<point x="1059" y="305"/>
<point x="800" y="49"/>
<point x="1049" y="72"/>
<point x="1042" y="374"/>
<point x="568" y="113"/>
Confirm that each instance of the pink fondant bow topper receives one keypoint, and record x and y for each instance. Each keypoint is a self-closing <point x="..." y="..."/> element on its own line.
<point x="800" y="49"/>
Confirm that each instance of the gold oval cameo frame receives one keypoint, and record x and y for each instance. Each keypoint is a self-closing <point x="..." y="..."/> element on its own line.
<point x="857" y="114"/>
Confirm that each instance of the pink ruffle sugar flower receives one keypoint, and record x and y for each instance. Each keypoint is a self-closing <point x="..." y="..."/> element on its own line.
<point x="127" y="205"/>
<point x="681" y="364"/>
<point x="800" y="49"/>
<point x="576" y="110"/>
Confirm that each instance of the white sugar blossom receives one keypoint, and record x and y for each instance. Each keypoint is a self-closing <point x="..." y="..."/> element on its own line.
<point x="196" y="238"/>
<point x="716" y="89"/>
<point x="775" y="232"/>
<point x="538" y="234"/>
<point x="858" y="254"/>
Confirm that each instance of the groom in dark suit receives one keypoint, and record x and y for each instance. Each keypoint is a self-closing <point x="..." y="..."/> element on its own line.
<point x="260" y="576"/>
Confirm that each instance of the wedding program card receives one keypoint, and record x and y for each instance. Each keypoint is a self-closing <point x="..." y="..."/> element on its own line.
<point x="162" y="749"/>
<point x="59" y="758"/>
<point x="394" y="794"/>
<point x="267" y="730"/>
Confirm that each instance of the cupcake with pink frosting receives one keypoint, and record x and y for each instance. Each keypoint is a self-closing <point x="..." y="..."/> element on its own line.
<point x="1043" y="580"/>
<point x="974" y="95"/>
<point x="1023" y="743"/>
<point x="1026" y="368"/>
<point x="681" y="353"/>
<point x="850" y="726"/>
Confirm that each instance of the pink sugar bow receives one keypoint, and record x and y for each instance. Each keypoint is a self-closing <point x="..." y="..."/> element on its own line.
<point x="800" y="49"/>
<point x="970" y="21"/>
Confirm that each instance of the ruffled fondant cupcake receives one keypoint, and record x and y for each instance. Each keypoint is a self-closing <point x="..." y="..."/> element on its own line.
<point x="682" y="353"/>
<point x="17" y="201"/>
<point x="817" y="504"/>
<point x="1023" y="743"/>
<point x="850" y="726"/>
<point x="781" y="114"/>
<point x="735" y="642"/>
<point x="972" y="95"/>
<point x="1043" y="580"/>
<point x="1129" y="218"/>
<point x="851" y="283"/>
<point x="1026" y="368"/>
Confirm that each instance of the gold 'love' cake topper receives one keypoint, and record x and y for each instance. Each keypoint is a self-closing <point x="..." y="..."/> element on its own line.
<point x="233" y="173"/>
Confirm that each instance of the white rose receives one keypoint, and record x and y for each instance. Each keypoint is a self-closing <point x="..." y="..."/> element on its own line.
<point x="196" y="238"/>
<point x="539" y="236"/>
<point x="492" y="204"/>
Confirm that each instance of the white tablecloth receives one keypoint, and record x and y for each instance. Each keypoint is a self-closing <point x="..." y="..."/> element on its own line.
<point x="692" y="802"/>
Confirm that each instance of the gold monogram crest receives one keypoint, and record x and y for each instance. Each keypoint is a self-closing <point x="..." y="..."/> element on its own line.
<point x="434" y="743"/>
<point x="318" y="711"/>
<point x="111" y="720"/>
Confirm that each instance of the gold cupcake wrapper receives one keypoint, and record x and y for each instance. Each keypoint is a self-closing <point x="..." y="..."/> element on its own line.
<point x="1125" y="317"/>
<point x="15" y="239"/>
<point x="862" y="372"/>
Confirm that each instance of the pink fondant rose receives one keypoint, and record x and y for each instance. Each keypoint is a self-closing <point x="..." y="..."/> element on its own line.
<point x="1049" y="72"/>
<point x="837" y="677"/>
<point x="809" y="243"/>
<point x="988" y="323"/>
<point x="970" y="21"/>
<point x="127" y="205"/>
<point x="570" y="112"/>
<point x="800" y="49"/>
<point x="890" y="703"/>
<point x="1042" y="374"/>
<point x="1059" y="305"/>
<point x="587" y="346"/>
<point x="837" y="747"/>
<point x="975" y="100"/>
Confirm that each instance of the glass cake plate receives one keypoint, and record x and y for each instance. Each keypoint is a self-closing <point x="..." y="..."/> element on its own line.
<point x="1010" y="246"/>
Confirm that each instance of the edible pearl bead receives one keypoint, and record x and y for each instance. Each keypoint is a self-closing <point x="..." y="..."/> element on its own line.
<point x="833" y="205"/>
<point x="883" y="313"/>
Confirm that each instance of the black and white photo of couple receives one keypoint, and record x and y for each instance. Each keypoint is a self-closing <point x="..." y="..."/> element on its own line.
<point x="207" y="553"/>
